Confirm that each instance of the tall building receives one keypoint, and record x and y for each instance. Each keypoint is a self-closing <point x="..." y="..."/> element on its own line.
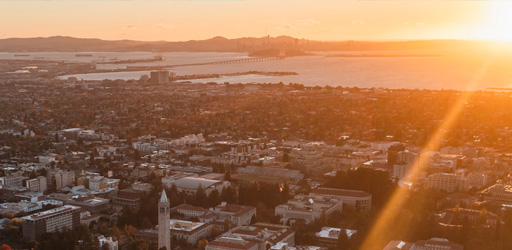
<point x="35" y="225"/>
<point x="62" y="178"/>
<point x="12" y="180"/>
<point x="161" y="76"/>
<point x="37" y="184"/>
<point x="164" y="231"/>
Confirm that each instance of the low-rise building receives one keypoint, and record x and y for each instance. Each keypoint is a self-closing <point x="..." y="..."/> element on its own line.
<point x="142" y="186"/>
<point x="190" y="231"/>
<point x="190" y="185"/>
<point x="430" y="244"/>
<point x="129" y="198"/>
<point x="308" y="208"/>
<point x="25" y="206"/>
<point x="231" y="243"/>
<point x="260" y="236"/>
<point x="188" y="211"/>
<point x="351" y="198"/>
<point x="12" y="180"/>
<point x="328" y="236"/>
<point x="267" y="174"/>
<point x="238" y="215"/>
<point x="89" y="202"/>
<point x="454" y="219"/>
<point x="498" y="193"/>
<point x="97" y="183"/>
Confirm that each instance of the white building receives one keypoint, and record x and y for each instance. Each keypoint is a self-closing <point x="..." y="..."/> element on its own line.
<point x="351" y="198"/>
<point x="38" y="184"/>
<point x="238" y="215"/>
<point x="12" y="180"/>
<point x="498" y="193"/>
<point x="328" y="236"/>
<point x="190" y="231"/>
<point x="400" y="171"/>
<point x="458" y="181"/>
<point x="231" y="243"/>
<point x="47" y="159"/>
<point x="62" y="178"/>
<point x="112" y="244"/>
<point x="97" y="183"/>
<point x="308" y="208"/>
<point x="190" y="185"/>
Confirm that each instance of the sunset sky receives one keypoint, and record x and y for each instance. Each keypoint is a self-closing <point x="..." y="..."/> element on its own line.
<point x="175" y="20"/>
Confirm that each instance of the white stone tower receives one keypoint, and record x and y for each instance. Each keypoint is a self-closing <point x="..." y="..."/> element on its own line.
<point x="164" y="230"/>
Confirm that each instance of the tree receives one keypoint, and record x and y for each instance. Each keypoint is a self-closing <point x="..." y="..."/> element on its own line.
<point x="115" y="232"/>
<point x="33" y="175"/>
<point x="130" y="230"/>
<point x="229" y="195"/>
<point x="343" y="242"/>
<point x="286" y="157"/>
<point x="105" y="246"/>
<point x="5" y="247"/>
<point x="200" y="197"/>
<point x="201" y="245"/>
<point x="139" y="245"/>
<point x="227" y="175"/>
<point x="213" y="198"/>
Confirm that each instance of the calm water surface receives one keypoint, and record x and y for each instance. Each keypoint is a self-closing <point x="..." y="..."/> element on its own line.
<point x="438" y="72"/>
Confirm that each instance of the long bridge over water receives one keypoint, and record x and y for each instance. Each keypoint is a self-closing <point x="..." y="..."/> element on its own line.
<point x="242" y="60"/>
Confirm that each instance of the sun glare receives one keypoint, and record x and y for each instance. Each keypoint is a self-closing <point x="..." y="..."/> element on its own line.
<point x="497" y="25"/>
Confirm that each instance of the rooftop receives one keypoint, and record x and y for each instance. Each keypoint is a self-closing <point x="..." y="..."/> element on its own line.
<point x="182" y="225"/>
<point x="332" y="232"/>
<point x="340" y="192"/>
<point x="195" y="182"/>
<point x="51" y="212"/>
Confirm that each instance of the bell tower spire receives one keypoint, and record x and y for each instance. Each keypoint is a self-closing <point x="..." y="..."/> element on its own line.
<point x="164" y="230"/>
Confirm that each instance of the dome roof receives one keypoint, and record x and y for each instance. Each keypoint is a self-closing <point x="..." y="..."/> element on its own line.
<point x="194" y="182"/>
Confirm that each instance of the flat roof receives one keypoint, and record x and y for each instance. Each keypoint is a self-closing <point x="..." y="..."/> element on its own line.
<point x="340" y="192"/>
<point x="183" y="225"/>
<point x="55" y="211"/>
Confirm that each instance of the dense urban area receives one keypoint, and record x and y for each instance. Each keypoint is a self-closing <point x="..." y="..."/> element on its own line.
<point x="148" y="163"/>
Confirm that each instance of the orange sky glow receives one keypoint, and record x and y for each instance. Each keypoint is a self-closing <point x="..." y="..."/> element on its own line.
<point x="174" y="20"/>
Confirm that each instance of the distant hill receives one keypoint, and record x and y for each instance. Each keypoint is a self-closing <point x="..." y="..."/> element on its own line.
<point x="218" y="44"/>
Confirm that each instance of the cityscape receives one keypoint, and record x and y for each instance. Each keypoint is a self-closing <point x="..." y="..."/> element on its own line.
<point x="244" y="131"/>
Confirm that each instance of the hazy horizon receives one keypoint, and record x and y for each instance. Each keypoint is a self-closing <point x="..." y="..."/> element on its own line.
<point x="196" y="20"/>
<point x="260" y="37"/>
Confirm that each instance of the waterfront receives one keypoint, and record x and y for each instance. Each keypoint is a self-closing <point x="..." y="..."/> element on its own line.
<point x="389" y="72"/>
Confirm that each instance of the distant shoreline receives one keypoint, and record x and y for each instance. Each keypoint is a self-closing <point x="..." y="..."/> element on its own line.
<point x="381" y="55"/>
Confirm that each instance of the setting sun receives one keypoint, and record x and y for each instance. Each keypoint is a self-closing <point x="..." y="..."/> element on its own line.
<point x="497" y="24"/>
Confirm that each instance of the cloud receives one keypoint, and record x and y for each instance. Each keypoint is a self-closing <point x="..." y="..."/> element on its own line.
<point x="130" y="27"/>
<point x="358" y="22"/>
<point x="164" y="26"/>
<point x="297" y="24"/>
<point x="310" y="21"/>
